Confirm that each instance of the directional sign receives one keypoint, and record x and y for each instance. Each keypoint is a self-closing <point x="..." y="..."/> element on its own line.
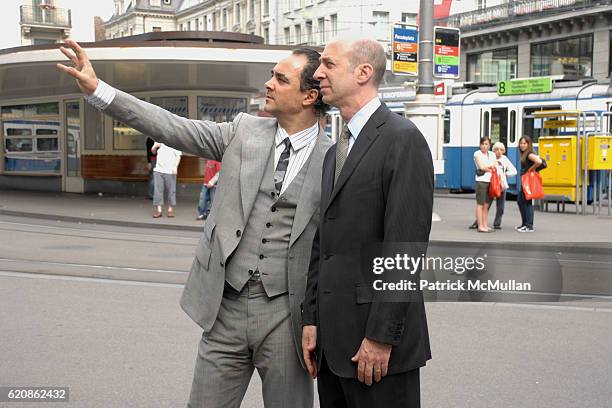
<point x="446" y="52"/>
<point x="405" y="40"/>
<point x="525" y="86"/>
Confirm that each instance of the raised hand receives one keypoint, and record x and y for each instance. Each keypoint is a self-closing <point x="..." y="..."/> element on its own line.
<point x="81" y="70"/>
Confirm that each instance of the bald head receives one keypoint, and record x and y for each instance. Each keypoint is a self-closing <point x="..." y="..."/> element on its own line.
<point x="366" y="51"/>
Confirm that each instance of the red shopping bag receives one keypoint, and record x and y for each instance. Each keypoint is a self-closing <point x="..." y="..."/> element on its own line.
<point x="532" y="185"/>
<point x="495" y="186"/>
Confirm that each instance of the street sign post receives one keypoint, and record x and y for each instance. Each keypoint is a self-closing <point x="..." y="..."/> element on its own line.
<point x="405" y="41"/>
<point x="446" y="52"/>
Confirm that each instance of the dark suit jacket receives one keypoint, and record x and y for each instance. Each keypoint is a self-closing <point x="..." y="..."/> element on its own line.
<point x="383" y="194"/>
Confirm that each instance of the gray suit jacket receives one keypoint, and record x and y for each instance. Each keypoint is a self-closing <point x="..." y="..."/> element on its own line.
<point x="243" y="146"/>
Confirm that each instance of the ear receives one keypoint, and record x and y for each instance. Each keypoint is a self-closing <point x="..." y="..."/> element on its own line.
<point x="364" y="73"/>
<point x="310" y="97"/>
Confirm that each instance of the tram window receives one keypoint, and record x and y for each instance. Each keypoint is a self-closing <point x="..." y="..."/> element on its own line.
<point x="533" y="127"/>
<point x="18" y="144"/>
<point x="499" y="125"/>
<point x="484" y="131"/>
<point x="512" y="126"/>
<point x="220" y="109"/>
<point x="18" y="132"/>
<point x="46" y="131"/>
<point x="447" y="126"/>
<point x="47" y="144"/>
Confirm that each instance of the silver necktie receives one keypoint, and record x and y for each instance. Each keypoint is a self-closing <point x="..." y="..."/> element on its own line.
<point x="342" y="150"/>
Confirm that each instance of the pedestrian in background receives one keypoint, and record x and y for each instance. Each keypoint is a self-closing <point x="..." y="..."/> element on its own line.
<point x="151" y="157"/>
<point x="164" y="176"/>
<point x="529" y="161"/>
<point x="485" y="163"/>
<point x="207" y="194"/>
<point x="505" y="169"/>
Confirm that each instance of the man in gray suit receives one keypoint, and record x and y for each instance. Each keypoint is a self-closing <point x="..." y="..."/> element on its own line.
<point x="249" y="275"/>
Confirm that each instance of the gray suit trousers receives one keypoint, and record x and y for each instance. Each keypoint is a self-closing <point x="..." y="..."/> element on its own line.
<point x="251" y="331"/>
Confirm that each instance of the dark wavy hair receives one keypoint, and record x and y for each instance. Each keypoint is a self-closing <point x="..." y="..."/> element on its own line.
<point x="307" y="81"/>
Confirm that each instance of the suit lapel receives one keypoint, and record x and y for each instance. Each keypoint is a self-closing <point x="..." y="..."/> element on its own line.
<point x="366" y="137"/>
<point x="256" y="151"/>
<point x="306" y="206"/>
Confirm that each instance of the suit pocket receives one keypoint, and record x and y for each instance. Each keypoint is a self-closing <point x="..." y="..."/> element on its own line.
<point x="203" y="255"/>
<point x="362" y="294"/>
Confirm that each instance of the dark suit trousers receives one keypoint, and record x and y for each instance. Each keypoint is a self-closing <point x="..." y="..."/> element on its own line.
<point x="398" y="390"/>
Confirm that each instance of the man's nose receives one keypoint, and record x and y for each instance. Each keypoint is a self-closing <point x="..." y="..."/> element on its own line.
<point x="318" y="75"/>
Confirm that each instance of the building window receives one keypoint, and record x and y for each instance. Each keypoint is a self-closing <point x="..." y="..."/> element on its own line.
<point x="381" y="24"/>
<point x="298" y="34"/>
<point x="224" y="22"/>
<point x="572" y="56"/>
<point x="197" y="24"/>
<point x="31" y="138"/>
<point x="181" y="27"/>
<point x="266" y="35"/>
<point x="266" y="7"/>
<point x="252" y="9"/>
<point x="287" y="32"/>
<point x="481" y="4"/>
<point x="321" y="22"/>
<point x="333" y="20"/>
<point x="94" y="128"/>
<point x="157" y="29"/>
<point x="492" y="66"/>
<point x="309" y="32"/>
<point x="238" y="14"/>
<point x="155" y="3"/>
<point x="409" y="18"/>
<point x="168" y="2"/>
<point x="189" y="26"/>
<point x="220" y="109"/>
<point x="214" y="21"/>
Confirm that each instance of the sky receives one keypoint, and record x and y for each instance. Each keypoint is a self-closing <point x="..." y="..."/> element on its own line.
<point x="83" y="12"/>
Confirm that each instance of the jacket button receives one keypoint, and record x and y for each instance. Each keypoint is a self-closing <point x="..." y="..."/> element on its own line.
<point x="221" y="263"/>
<point x="268" y="225"/>
<point x="272" y="194"/>
<point x="250" y="271"/>
<point x="261" y="256"/>
<point x="273" y="209"/>
<point x="263" y="241"/>
<point x="238" y="233"/>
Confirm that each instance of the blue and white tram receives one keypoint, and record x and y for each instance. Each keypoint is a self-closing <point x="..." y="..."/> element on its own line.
<point x="471" y="114"/>
<point x="476" y="113"/>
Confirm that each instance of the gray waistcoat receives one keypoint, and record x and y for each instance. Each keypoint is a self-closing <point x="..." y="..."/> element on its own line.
<point x="265" y="240"/>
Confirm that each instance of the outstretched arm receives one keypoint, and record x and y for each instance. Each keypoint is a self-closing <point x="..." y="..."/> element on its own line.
<point x="198" y="137"/>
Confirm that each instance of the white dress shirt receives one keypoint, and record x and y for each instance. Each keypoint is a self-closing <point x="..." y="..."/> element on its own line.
<point x="302" y="144"/>
<point x="359" y="120"/>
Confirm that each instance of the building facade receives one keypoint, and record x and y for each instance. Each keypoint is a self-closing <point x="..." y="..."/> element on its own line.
<point x="43" y="22"/>
<point x="255" y="17"/>
<point x="532" y="38"/>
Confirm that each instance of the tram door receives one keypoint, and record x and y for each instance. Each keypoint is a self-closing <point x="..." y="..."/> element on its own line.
<point x="494" y="124"/>
<point x="73" y="182"/>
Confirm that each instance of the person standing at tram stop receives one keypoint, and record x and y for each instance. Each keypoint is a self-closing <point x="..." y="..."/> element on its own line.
<point x="248" y="280"/>
<point x="164" y="178"/>
<point x="485" y="163"/>
<point x="529" y="161"/>
<point x="505" y="169"/>
<point x="207" y="194"/>
<point x="151" y="158"/>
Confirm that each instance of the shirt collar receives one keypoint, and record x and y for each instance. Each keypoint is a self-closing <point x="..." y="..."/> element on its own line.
<point x="299" y="139"/>
<point x="359" y="120"/>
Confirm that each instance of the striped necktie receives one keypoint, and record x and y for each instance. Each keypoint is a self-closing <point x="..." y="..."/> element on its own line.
<point x="281" y="167"/>
<point x="342" y="150"/>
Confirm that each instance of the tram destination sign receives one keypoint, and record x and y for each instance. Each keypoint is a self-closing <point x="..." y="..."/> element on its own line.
<point x="446" y="52"/>
<point x="525" y="86"/>
<point x="405" y="41"/>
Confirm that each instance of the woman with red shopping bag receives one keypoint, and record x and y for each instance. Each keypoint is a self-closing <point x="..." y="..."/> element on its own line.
<point x="529" y="162"/>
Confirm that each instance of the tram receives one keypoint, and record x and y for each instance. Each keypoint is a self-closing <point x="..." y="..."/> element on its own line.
<point x="471" y="113"/>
